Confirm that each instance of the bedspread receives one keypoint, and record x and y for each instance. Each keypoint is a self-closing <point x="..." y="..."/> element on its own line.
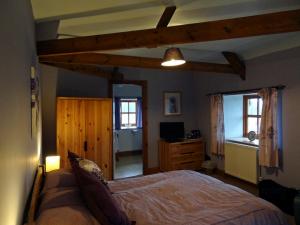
<point x="190" y="198"/>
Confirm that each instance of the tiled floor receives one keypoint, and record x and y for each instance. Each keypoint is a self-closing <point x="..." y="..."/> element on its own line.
<point x="128" y="166"/>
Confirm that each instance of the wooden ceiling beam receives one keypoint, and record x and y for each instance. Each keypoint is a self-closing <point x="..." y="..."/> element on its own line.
<point x="237" y="64"/>
<point x="87" y="69"/>
<point x="272" y="23"/>
<point x="166" y="17"/>
<point x="100" y="59"/>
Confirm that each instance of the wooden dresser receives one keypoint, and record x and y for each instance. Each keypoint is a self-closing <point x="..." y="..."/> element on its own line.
<point x="187" y="154"/>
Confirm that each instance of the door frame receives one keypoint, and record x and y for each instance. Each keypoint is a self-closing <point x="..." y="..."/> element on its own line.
<point x="144" y="85"/>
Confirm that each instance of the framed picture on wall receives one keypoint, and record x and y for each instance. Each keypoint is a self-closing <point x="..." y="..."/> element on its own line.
<point x="172" y="103"/>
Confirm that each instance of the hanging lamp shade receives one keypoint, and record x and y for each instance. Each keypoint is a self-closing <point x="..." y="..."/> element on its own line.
<point x="173" y="57"/>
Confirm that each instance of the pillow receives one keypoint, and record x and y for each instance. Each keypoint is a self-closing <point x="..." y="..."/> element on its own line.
<point x="72" y="157"/>
<point x="92" y="168"/>
<point x="59" y="178"/>
<point x="68" y="215"/>
<point x="58" y="197"/>
<point x="99" y="200"/>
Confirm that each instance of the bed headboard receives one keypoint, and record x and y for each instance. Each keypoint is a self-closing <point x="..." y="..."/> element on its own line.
<point x="33" y="202"/>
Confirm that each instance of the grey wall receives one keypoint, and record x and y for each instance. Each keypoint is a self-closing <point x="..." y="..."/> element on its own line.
<point x="19" y="153"/>
<point x="73" y="84"/>
<point x="278" y="68"/>
<point x="63" y="83"/>
<point x="233" y="116"/>
<point x="158" y="82"/>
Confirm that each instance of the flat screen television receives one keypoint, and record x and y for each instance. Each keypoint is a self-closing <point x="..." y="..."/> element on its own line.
<point x="171" y="131"/>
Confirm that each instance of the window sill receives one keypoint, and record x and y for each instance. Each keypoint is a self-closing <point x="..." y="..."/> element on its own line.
<point x="244" y="141"/>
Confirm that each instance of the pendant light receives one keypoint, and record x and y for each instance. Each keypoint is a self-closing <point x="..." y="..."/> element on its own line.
<point x="173" y="57"/>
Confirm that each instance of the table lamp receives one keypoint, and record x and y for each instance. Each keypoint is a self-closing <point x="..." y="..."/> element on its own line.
<point x="52" y="163"/>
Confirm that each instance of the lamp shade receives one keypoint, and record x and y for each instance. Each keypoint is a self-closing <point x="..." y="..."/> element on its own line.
<point x="52" y="163"/>
<point x="173" y="57"/>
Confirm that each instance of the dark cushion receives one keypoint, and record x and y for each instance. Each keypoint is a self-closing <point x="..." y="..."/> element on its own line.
<point x="72" y="155"/>
<point x="99" y="200"/>
<point x="73" y="158"/>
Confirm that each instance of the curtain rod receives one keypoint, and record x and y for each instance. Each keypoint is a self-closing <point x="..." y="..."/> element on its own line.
<point x="279" y="87"/>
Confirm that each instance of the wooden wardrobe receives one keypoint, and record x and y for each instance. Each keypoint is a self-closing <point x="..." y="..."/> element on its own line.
<point x="84" y="126"/>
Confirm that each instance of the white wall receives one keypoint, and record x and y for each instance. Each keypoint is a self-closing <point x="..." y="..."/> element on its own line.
<point x="274" y="69"/>
<point x="128" y="140"/>
<point x="19" y="152"/>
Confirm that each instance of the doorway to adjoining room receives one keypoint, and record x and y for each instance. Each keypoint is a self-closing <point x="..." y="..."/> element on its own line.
<point x="128" y="130"/>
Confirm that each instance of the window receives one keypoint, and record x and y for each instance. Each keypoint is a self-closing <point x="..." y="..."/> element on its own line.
<point x="252" y="114"/>
<point x="128" y="113"/>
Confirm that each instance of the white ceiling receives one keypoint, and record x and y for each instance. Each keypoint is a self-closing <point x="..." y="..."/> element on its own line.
<point x="91" y="17"/>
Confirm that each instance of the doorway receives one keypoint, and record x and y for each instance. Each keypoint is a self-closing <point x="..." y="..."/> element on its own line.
<point x="129" y="133"/>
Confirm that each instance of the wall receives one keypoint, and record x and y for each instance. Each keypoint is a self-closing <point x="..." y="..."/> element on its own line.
<point x="127" y="139"/>
<point x="19" y="152"/>
<point x="274" y="69"/>
<point x="63" y="83"/>
<point x="74" y="84"/>
<point x="158" y="83"/>
<point x="233" y="116"/>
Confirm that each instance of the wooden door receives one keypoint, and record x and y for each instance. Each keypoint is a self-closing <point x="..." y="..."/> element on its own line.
<point x="99" y="134"/>
<point x="70" y="128"/>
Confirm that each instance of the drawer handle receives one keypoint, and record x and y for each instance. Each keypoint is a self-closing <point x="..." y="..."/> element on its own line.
<point x="187" y="162"/>
<point x="186" y="153"/>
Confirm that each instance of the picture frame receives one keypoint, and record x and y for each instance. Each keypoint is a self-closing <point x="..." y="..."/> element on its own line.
<point x="172" y="103"/>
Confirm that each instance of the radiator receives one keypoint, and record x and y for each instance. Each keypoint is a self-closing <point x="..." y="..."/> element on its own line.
<point x="241" y="161"/>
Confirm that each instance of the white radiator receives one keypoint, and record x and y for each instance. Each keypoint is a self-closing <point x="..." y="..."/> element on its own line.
<point x="241" y="161"/>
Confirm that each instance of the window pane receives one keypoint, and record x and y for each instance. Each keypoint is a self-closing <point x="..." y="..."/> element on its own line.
<point x="125" y="119"/>
<point x="260" y="106"/>
<point x="252" y="124"/>
<point x="132" y="118"/>
<point x="132" y="107"/>
<point x="124" y="106"/>
<point x="252" y="106"/>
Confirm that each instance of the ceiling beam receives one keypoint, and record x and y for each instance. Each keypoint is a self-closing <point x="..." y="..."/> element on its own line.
<point x="236" y="63"/>
<point x="271" y="23"/>
<point x="100" y="59"/>
<point x="88" y="70"/>
<point x="166" y="17"/>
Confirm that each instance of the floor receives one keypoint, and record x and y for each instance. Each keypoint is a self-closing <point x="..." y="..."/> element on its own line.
<point x="251" y="188"/>
<point x="128" y="166"/>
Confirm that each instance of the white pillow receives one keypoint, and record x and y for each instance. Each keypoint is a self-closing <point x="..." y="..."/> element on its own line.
<point x="92" y="168"/>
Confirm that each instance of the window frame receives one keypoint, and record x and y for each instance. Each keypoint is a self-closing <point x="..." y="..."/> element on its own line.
<point x="246" y="98"/>
<point x="128" y="100"/>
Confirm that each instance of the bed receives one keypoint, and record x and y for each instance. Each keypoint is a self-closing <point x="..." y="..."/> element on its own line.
<point x="176" y="197"/>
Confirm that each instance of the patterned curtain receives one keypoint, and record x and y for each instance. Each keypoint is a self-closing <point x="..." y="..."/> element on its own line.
<point x="139" y="113"/>
<point x="217" y="125"/>
<point x="268" y="137"/>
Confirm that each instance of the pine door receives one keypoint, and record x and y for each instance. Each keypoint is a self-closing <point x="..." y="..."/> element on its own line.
<point x="84" y="126"/>
<point x="99" y="134"/>
<point x="70" y="128"/>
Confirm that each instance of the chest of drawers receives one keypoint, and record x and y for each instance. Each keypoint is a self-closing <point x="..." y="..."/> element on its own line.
<point x="188" y="154"/>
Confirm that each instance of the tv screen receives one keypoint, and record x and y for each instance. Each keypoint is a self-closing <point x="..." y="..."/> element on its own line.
<point x="171" y="131"/>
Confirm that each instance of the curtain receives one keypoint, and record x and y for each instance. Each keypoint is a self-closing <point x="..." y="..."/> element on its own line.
<point x="139" y="113"/>
<point x="268" y="137"/>
<point x="117" y="113"/>
<point x="217" y="125"/>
